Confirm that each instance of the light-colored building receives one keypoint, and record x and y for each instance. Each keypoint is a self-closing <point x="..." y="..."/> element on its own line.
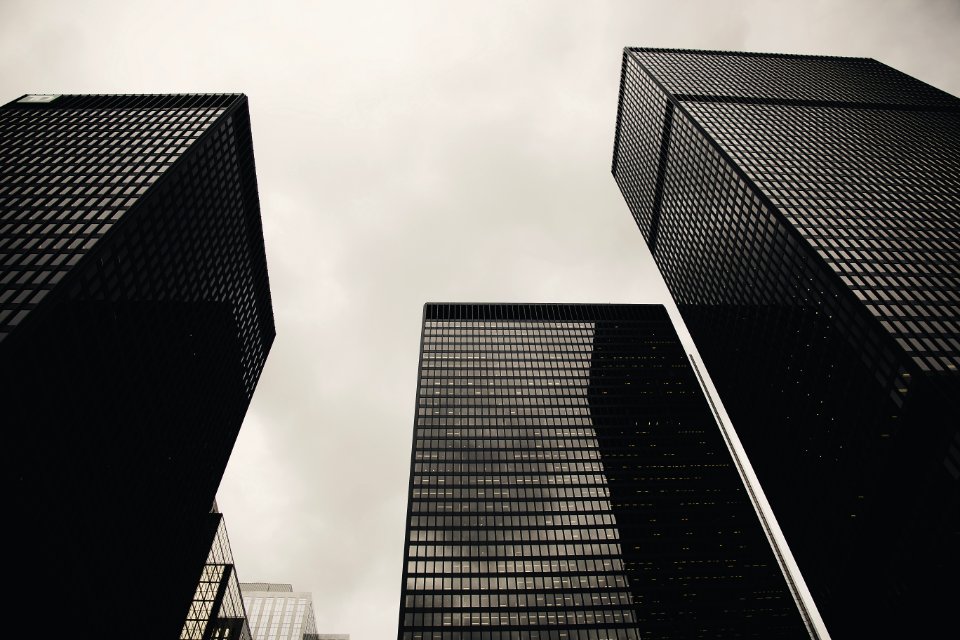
<point x="277" y="612"/>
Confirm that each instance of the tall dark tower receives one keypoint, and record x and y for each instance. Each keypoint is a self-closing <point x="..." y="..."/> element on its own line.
<point x="568" y="480"/>
<point x="135" y="318"/>
<point x="804" y="212"/>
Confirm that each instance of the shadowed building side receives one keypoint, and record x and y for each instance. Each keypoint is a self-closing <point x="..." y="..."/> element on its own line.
<point x="135" y="319"/>
<point x="698" y="562"/>
<point x="804" y="212"/>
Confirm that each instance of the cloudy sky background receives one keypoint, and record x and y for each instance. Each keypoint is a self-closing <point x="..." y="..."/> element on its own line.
<point x="406" y="152"/>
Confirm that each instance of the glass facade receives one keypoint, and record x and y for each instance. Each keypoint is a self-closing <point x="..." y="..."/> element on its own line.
<point x="135" y="319"/>
<point x="568" y="480"/>
<point x="277" y="612"/>
<point x="804" y="212"/>
<point x="217" y="612"/>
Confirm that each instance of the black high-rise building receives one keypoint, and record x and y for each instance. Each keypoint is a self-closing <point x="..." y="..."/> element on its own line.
<point x="804" y="212"/>
<point x="135" y="318"/>
<point x="569" y="480"/>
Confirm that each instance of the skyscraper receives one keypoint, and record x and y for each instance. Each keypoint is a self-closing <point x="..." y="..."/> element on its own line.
<point x="804" y="212"/>
<point x="135" y="318"/>
<point x="568" y="480"/>
<point x="277" y="612"/>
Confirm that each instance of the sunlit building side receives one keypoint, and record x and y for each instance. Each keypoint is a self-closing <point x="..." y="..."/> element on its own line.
<point x="569" y="480"/>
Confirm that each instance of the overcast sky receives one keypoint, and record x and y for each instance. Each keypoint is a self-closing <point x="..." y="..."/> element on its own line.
<point x="406" y="152"/>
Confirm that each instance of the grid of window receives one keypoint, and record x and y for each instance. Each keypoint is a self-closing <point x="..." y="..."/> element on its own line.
<point x="805" y="218"/>
<point x="721" y="248"/>
<point x="874" y="197"/>
<point x="721" y="244"/>
<point x="514" y="524"/>
<point x="69" y="174"/>
<point x="528" y="423"/>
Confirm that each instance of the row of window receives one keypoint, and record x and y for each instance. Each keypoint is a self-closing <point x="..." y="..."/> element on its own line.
<point x="511" y="480"/>
<point x="514" y="356"/>
<point x="545" y="342"/>
<point x="504" y="433"/>
<point x="510" y="551"/>
<point x="509" y="409"/>
<point x="517" y="455"/>
<point x="537" y="442"/>
<point x="514" y="520"/>
<point x="504" y="506"/>
<point x="516" y="583"/>
<point x="511" y="535"/>
<point x="504" y="355"/>
<point x="505" y="324"/>
<point x="497" y="389"/>
<point x="466" y="567"/>
<point x="507" y="467"/>
<point x="449" y="375"/>
<point x="518" y="618"/>
<point x="519" y="600"/>
<point x="593" y="633"/>
<point x="519" y="493"/>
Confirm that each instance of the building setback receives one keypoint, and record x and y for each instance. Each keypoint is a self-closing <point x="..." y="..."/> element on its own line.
<point x="804" y="212"/>
<point x="568" y="480"/>
<point x="135" y="318"/>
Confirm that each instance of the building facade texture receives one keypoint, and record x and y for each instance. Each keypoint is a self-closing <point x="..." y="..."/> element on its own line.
<point x="569" y="480"/>
<point x="217" y="612"/>
<point x="135" y="318"/>
<point x="804" y="212"/>
<point x="277" y="612"/>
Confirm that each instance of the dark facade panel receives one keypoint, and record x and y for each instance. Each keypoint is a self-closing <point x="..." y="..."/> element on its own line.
<point x="811" y="249"/>
<point x="137" y="318"/>
<point x="568" y="480"/>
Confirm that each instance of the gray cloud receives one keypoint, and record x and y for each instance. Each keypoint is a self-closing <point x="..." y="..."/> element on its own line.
<point x="412" y="151"/>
